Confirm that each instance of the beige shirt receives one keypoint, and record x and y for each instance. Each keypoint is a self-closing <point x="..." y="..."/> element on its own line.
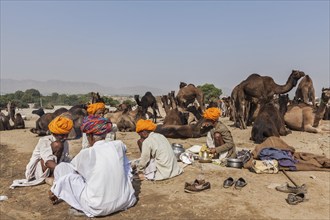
<point x="156" y="146"/>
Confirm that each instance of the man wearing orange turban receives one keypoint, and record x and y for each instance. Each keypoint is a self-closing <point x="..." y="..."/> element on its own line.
<point x="97" y="109"/>
<point x="50" y="151"/>
<point x="157" y="161"/>
<point x="218" y="139"/>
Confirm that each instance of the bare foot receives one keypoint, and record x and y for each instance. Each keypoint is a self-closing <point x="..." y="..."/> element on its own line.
<point x="53" y="198"/>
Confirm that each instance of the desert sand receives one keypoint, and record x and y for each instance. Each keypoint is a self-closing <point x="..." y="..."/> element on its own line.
<point x="167" y="199"/>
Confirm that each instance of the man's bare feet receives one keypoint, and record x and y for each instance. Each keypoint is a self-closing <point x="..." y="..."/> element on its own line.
<point x="53" y="198"/>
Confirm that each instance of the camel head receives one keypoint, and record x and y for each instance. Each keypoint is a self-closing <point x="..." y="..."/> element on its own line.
<point x="325" y="97"/>
<point x="182" y="84"/>
<point x="296" y="75"/>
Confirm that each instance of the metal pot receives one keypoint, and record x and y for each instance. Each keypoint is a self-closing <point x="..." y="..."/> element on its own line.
<point x="234" y="162"/>
<point x="178" y="150"/>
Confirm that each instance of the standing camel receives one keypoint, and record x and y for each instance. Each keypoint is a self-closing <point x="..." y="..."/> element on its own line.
<point x="148" y="100"/>
<point x="261" y="88"/>
<point x="188" y="94"/>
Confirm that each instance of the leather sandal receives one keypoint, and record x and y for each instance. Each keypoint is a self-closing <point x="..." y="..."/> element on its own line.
<point x="240" y="183"/>
<point x="228" y="182"/>
<point x="294" y="199"/>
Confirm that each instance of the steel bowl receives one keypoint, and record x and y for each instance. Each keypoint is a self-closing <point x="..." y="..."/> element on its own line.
<point x="234" y="162"/>
<point x="178" y="150"/>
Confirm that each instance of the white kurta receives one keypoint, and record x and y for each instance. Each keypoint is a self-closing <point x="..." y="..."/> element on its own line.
<point x="157" y="147"/>
<point x="34" y="174"/>
<point x="97" y="181"/>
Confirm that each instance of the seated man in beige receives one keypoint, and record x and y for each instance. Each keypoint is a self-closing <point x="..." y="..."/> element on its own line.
<point x="157" y="160"/>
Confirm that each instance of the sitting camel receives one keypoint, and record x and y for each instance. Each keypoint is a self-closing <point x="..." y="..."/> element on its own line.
<point x="173" y="115"/>
<point x="305" y="91"/>
<point x="183" y="131"/>
<point x="19" y="122"/>
<point x="148" y="100"/>
<point x="4" y="122"/>
<point x="303" y="117"/>
<point x="269" y="122"/>
<point x="188" y="94"/>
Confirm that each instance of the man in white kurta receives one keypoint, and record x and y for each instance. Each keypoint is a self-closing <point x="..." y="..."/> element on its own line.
<point x="158" y="161"/>
<point x="50" y="151"/>
<point x="98" y="179"/>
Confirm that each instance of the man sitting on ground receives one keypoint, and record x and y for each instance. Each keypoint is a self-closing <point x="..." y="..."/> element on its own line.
<point x="98" y="109"/>
<point x="50" y="151"/>
<point x="157" y="160"/>
<point x="98" y="179"/>
<point x="219" y="139"/>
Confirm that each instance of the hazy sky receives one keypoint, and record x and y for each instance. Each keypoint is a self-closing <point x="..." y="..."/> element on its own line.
<point x="160" y="43"/>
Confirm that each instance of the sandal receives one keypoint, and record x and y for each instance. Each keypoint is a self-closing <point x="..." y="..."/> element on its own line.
<point x="240" y="183"/>
<point x="228" y="182"/>
<point x="294" y="199"/>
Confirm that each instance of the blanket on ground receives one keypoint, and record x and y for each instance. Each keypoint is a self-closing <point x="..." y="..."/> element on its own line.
<point x="305" y="161"/>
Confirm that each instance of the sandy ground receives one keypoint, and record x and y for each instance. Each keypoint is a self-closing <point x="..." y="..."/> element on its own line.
<point x="167" y="199"/>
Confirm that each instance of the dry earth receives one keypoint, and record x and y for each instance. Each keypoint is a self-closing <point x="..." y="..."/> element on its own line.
<point x="167" y="199"/>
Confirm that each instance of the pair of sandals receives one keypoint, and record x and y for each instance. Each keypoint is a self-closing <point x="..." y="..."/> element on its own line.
<point x="294" y="199"/>
<point x="239" y="184"/>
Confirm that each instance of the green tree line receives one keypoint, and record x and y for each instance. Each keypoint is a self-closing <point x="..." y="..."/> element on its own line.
<point x="22" y="99"/>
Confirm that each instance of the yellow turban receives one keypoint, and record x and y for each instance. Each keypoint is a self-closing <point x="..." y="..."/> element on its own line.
<point x="92" y="108"/>
<point x="212" y="113"/>
<point x="147" y="125"/>
<point x="60" y="125"/>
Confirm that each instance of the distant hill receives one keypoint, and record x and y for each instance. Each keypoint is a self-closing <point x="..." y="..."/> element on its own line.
<point x="64" y="87"/>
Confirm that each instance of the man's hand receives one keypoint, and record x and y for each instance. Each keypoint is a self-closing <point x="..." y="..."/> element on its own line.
<point x="212" y="150"/>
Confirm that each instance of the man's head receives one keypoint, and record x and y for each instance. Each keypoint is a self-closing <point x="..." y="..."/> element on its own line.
<point x="96" y="128"/>
<point x="97" y="109"/>
<point x="60" y="127"/>
<point x="144" y="127"/>
<point x="211" y="116"/>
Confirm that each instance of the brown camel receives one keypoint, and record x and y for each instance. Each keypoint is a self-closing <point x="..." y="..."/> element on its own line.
<point x="259" y="88"/>
<point x="303" y="117"/>
<point x="173" y="115"/>
<point x="19" y="122"/>
<point x="183" y="131"/>
<point x="188" y="94"/>
<point x="305" y="91"/>
<point x="269" y="122"/>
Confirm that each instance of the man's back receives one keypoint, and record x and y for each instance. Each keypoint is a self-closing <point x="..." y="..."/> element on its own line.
<point x="105" y="169"/>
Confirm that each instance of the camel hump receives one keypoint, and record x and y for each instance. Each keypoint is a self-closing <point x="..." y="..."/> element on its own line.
<point x="148" y="93"/>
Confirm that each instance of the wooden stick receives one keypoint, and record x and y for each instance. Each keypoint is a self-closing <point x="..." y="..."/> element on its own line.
<point x="294" y="183"/>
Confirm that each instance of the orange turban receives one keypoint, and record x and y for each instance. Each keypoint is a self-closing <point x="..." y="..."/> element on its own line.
<point x="60" y="125"/>
<point x="212" y="113"/>
<point x="92" y="108"/>
<point x="147" y="125"/>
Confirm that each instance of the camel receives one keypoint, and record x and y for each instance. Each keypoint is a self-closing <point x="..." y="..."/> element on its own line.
<point x="4" y="122"/>
<point x="41" y="128"/>
<point x="303" y="117"/>
<point x="188" y="94"/>
<point x="183" y="131"/>
<point x="173" y="115"/>
<point x="148" y="100"/>
<point x="305" y="91"/>
<point x="269" y="122"/>
<point x="19" y="122"/>
<point x="259" y="88"/>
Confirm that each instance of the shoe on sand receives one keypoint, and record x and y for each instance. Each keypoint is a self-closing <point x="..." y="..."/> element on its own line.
<point x="228" y="182"/>
<point x="292" y="189"/>
<point x="294" y="199"/>
<point x="240" y="183"/>
<point x="197" y="187"/>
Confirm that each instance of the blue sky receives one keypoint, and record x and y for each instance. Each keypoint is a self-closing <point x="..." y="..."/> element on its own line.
<point x="160" y="43"/>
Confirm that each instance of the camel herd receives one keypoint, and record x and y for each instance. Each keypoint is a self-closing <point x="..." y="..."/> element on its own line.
<point x="257" y="101"/>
